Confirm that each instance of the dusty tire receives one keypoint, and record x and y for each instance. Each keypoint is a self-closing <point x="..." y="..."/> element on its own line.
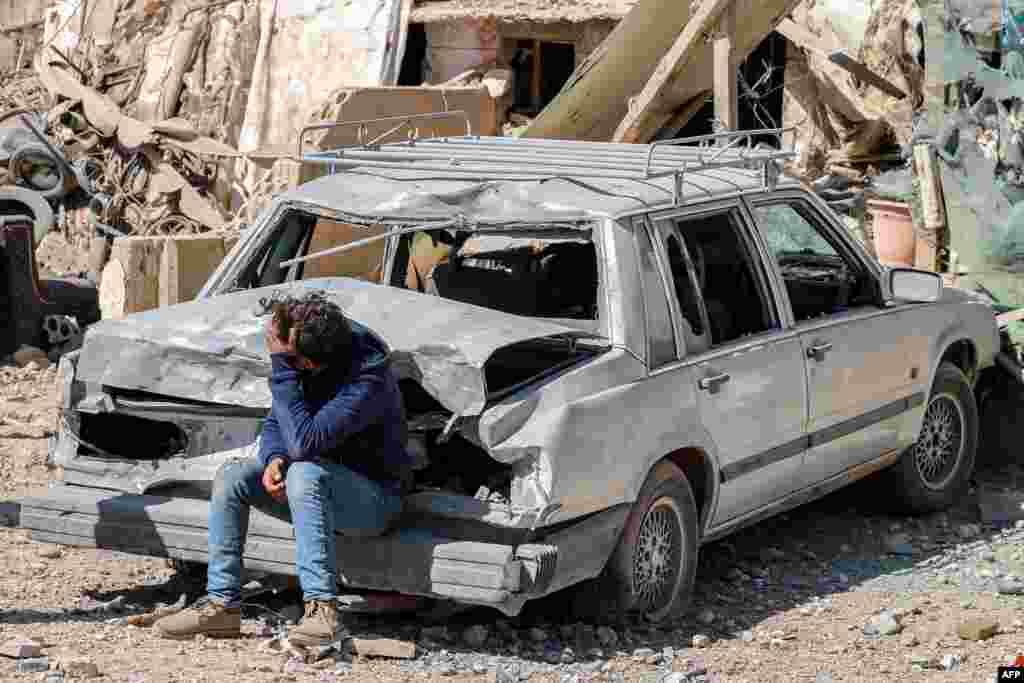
<point x="652" y="570"/>
<point x="934" y="472"/>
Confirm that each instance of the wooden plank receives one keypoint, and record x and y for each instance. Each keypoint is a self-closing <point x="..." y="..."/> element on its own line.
<point x="840" y="58"/>
<point x="685" y="70"/>
<point x="594" y="100"/>
<point x="726" y="97"/>
<point x="638" y="124"/>
<point x="187" y="263"/>
<point x="803" y="38"/>
<point x="932" y="200"/>
<point x="22" y="27"/>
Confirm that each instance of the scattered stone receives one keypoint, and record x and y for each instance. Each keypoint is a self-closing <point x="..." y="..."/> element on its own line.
<point x="1010" y="586"/>
<point x="21" y="648"/>
<point x="951" y="662"/>
<point x="884" y="624"/>
<point x="537" y="635"/>
<point x="701" y="640"/>
<point x="823" y="677"/>
<point x="475" y="636"/>
<point x="978" y="629"/>
<point x="33" y="665"/>
<point x="968" y="530"/>
<point x="922" y="662"/>
<point x="51" y="552"/>
<point x="846" y="548"/>
<point x="435" y="633"/>
<point x="707" y="617"/>
<point x="607" y="637"/>
<point x="911" y="640"/>
<point x="747" y="636"/>
<point x="54" y="677"/>
<point x="675" y="677"/>
<point x="899" y="544"/>
<point x="79" y="667"/>
<point x="643" y="652"/>
<point x="30" y="354"/>
<point x="384" y="647"/>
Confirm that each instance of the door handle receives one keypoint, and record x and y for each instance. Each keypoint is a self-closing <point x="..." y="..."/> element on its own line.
<point x="818" y="351"/>
<point x="712" y="382"/>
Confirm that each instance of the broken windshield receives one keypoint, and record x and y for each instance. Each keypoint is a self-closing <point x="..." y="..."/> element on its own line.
<point x="543" y="271"/>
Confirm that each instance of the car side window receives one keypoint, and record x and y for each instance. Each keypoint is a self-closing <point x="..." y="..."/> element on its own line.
<point x="711" y="252"/>
<point x="661" y="342"/>
<point x="820" y="279"/>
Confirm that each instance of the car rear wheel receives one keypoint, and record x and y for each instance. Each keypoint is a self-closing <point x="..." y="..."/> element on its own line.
<point x="935" y="470"/>
<point x="652" y="570"/>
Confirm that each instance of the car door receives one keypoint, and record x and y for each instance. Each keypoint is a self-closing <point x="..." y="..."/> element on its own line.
<point x="749" y="373"/>
<point x="865" y="364"/>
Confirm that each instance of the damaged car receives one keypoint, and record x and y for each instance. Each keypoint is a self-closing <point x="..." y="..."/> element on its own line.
<point x="609" y="355"/>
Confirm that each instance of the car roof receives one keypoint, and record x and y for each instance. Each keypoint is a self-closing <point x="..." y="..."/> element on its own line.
<point x="492" y="180"/>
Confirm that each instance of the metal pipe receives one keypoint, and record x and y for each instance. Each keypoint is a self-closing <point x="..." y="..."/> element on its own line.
<point x="581" y="150"/>
<point x="386" y="119"/>
<point x="368" y="240"/>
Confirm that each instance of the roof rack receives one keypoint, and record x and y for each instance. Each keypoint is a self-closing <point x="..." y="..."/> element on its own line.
<point x="532" y="159"/>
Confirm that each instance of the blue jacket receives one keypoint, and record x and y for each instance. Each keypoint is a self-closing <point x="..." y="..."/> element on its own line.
<point x="352" y="415"/>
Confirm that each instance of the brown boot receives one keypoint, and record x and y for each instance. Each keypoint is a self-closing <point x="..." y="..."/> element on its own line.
<point x="208" y="618"/>
<point x="319" y="625"/>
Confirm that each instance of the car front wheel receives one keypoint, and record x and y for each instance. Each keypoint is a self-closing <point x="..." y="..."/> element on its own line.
<point x="935" y="470"/>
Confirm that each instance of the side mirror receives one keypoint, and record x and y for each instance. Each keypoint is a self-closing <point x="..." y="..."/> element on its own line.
<point x="908" y="284"/>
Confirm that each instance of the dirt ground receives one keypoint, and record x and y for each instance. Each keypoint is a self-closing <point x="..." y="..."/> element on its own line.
<point x="786" y="600"/>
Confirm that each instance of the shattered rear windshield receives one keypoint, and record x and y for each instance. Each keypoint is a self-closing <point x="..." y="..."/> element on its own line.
<point x="546" y="272"/>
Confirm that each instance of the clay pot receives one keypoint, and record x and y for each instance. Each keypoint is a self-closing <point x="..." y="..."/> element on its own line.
<point x="893" y="228"/>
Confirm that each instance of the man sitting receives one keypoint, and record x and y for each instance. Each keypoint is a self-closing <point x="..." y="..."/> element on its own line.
<point x="331" y="459"/>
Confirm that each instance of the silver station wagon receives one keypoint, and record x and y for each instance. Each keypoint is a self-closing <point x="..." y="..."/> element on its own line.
<point x="609" y="354"/>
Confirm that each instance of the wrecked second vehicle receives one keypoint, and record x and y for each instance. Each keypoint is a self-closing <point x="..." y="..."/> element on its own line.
<point x="609" y="354"/>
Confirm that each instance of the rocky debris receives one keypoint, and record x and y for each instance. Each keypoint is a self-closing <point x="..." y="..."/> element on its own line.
<point x="34" y="665"/>
<point x="27" y="355"/>
<point x="384" y="647"/>
<point x="21" y="648"/>
<point x="78" y="667"/>
<point x="951" y="662"/>
<point x="475" y="636"/>
<point x="51" y="552"/>
<point x="969" y="530"/>
<point x="884" y="624"/>
<point x="700" y="641"/>
<point x="978" y="629"/>
<point x="899" y="544"/>
<point x="1010" y="586"/>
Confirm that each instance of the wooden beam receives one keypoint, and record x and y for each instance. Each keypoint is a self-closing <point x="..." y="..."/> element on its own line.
<point x="686" y="68"/>
<point x="647" y="111"/>
<point x="803" y="38"/>
<point x="726" y="98"/>
<point x="683" y="115"/>
<point x="22" y="27"/>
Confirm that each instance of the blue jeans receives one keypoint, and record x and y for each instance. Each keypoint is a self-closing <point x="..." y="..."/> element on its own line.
<point x="323" y="499"/>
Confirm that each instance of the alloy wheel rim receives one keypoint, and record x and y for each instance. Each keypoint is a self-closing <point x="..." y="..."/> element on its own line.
<point x="940" y="447"/>
<point x="656" y="559"/>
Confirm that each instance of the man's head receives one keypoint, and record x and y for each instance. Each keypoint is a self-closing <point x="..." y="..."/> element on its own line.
<point x="319" y="329"/>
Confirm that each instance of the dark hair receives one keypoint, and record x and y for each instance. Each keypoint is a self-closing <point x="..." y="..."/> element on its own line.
<point x="323" y="333"/>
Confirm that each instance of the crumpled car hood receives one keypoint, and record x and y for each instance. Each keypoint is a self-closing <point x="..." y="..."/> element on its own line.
<point x="212" y="349"/>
